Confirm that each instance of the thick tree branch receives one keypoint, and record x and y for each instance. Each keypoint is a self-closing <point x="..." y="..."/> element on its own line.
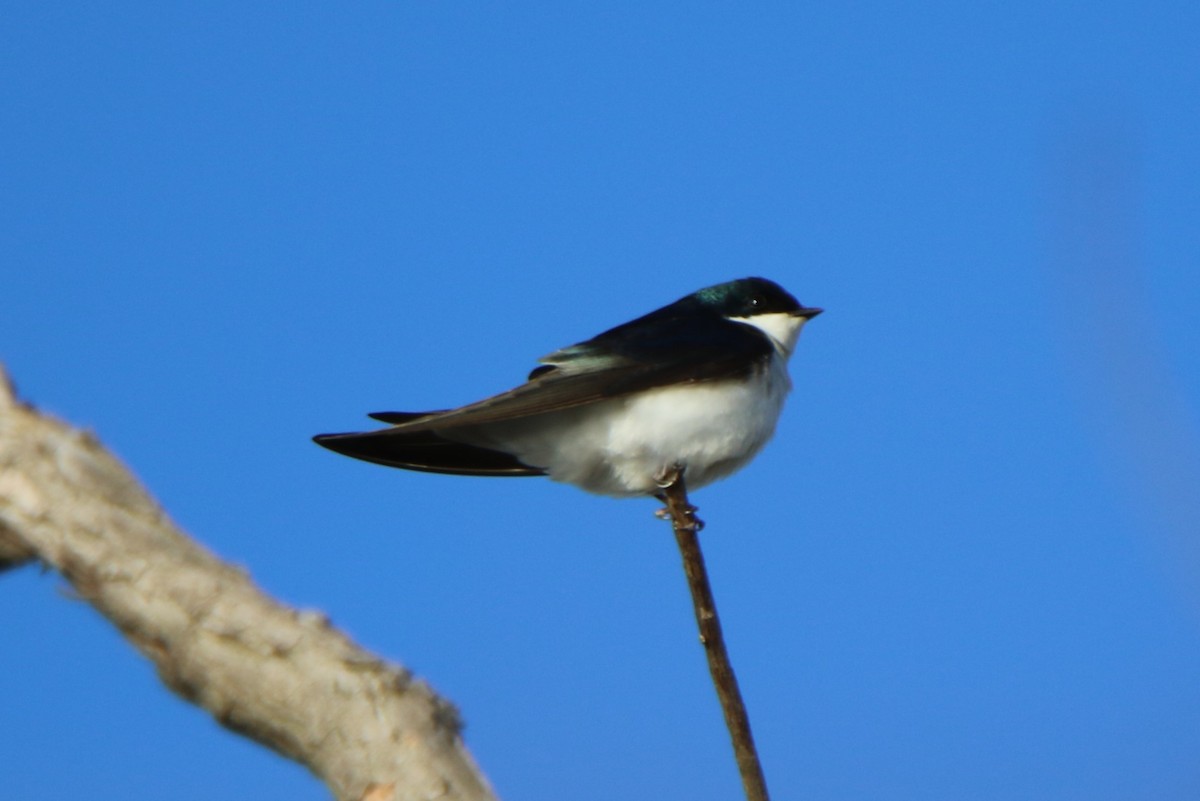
<point x="282" y="677"/>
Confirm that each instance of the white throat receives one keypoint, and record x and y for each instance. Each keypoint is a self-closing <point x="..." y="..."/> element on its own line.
<point x="782" y="328"/>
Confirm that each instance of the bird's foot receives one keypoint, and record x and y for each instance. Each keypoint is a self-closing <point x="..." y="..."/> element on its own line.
<point x="666" y="478"/>
<point x="677" y="509"/>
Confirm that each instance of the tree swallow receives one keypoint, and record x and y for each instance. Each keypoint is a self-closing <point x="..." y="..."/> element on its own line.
<point x="696" y="386"/>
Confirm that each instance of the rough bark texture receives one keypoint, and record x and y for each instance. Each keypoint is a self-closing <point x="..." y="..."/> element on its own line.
<point x="282" y="677"/>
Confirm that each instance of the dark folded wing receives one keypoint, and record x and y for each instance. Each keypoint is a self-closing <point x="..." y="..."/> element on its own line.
<point x="609" y="366"/>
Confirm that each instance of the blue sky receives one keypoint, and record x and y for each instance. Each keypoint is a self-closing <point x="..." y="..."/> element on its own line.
<point x="965" y="568"/>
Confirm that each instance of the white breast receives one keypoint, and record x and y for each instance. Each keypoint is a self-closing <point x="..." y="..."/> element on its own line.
<point x="710" y="429"/>
<point x="618" y="447"/>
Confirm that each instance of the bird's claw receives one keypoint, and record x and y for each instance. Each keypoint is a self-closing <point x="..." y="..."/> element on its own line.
<point x="668" y="477"/>
<point x="674" y="498"/>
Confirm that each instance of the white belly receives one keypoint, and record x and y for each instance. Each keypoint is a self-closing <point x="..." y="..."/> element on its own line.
<point x="619" y="447"/>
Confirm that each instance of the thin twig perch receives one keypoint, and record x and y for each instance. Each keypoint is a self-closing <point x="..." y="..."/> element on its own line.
<point x="687" y="528"/>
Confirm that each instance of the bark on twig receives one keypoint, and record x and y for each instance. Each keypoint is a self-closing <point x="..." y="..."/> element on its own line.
<point x="283" y="677"/>
<point x="687" y="528"/>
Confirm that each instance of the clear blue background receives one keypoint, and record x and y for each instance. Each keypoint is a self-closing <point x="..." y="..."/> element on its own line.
<point x="965" y="568"/>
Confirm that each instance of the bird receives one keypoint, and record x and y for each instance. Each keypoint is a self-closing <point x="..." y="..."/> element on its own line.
<point x="692" y="389"/>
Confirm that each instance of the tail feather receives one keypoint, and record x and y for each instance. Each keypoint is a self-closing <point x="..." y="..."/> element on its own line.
<point x="425" y="451"/>
<point x="395" y="418"/>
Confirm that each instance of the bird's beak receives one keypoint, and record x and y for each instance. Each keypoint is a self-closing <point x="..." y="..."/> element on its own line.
<point x="807" y="313"/>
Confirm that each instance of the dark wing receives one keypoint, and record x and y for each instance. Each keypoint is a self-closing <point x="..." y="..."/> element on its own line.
<point x="677" y="344"/>
<point x="663" y="348"/>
